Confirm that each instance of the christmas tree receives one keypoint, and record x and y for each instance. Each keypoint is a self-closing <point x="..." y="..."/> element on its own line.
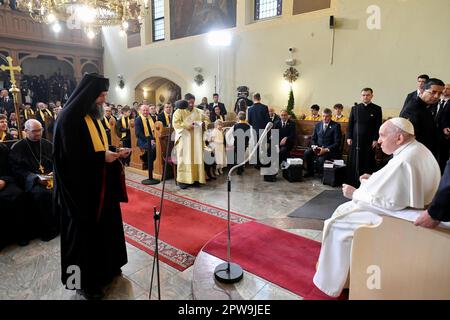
<point x="290" y="105"/>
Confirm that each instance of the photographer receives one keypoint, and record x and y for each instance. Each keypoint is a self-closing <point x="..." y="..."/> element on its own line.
<point x="242" y="102"/>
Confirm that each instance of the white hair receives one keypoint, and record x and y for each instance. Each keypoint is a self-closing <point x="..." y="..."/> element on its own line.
<point x="29" y="123"/>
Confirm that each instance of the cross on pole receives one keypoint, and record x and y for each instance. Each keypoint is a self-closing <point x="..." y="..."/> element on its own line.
<point x="14" y="90"/>
<point x="11" y="70"/>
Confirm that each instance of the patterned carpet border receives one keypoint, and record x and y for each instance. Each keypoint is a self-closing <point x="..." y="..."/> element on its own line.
<point x="179" y="258"/>
<point x="190" y="203"/>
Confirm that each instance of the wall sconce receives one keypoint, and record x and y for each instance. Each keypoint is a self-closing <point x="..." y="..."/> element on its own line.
<point x="121" y="82"/>
<point x="199" y="79"/>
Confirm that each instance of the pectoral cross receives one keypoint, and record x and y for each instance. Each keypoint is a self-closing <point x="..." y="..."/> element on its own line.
<point x="11" y="70"/>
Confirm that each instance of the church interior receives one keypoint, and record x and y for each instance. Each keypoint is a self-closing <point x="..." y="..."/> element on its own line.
<point x="344" y="193"/>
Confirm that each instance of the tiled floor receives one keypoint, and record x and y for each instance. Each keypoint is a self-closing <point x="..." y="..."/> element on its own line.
<point x="33" y="272"/>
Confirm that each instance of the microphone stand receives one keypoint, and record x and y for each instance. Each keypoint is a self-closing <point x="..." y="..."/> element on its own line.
<point x="229" y="272"/>
<point x="157" y="219"/>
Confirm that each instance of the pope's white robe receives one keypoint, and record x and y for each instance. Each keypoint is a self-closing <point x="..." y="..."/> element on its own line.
<point x="409" y="180"/>
<point x="189" y="146"/>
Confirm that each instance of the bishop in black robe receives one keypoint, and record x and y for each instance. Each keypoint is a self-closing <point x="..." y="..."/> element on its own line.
<point x="28" y="159"/>
<point x="88" y="191"/>
<point x="363" y="126"/>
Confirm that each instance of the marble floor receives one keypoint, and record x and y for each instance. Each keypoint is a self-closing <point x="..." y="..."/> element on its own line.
<point x="33" y="272"/>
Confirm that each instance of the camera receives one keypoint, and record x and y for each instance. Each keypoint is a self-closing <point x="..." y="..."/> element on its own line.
<point x="291" y="49"/>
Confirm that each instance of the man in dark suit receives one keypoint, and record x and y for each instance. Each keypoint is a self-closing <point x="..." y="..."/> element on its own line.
<point x="258" y="118"/>
<point x="326" y="143"/>
<point x="287" y="135"/>
<point x="212" y="105"/>
<point x="439" y="209"/>
<point x="6" y="102"/>
<point x="166" y="115"/>
<point x="145" y="139"/>
<point x="421" y="80"/>
<point x="442" y="119"/>
<point x="418" y="112"/>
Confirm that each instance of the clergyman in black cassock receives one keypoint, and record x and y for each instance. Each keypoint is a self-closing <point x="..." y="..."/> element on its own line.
<point x="28" y="159"/>
<point x="363" y="126"/>
<point x="89" y="187"/>
<point x="14" y="220"/>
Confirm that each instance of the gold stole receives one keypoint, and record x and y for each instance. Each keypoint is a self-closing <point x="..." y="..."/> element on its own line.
<point x="28" y="111"/>
<point x="99" y="146"/>
<point x="2" y="137"/>
<point x="107" y="122"/>
<point x="243" y="121"/>
<point x="167" y="119"/>
<point x="144" y="123"/>
<point x="124" y="125"/>
<point x="152" y="124"/>
<point x="43" y="116"/>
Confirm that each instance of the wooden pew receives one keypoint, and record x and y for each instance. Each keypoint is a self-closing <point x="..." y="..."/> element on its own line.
<point x="162" y="136"/>
<point x="411" y="262"/>
<point x="115" y="140"/>
<point x="135" y="160"/>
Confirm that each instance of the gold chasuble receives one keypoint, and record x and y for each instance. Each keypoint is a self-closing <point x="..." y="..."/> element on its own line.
<point x="189" y="146"/>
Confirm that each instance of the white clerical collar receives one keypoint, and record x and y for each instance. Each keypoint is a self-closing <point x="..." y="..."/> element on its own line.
<point x="401" y="148"/>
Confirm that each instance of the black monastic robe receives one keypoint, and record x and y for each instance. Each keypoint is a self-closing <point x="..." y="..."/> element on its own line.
<point x="26" y="158"/>
<point x="363" y="127"/>
<point x="88" y="192"/>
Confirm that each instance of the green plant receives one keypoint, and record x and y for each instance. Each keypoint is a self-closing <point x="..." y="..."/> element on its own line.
<point x="290" y="105"/>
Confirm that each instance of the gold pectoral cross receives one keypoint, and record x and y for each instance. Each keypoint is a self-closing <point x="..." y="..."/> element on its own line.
<point x="41" y="169"/>
<point x="11" y="70"/>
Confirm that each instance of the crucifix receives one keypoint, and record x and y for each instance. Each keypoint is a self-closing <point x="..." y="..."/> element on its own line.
<point x="14" y="90"/>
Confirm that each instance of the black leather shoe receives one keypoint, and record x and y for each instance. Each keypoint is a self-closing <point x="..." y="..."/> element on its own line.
<point x="23" y="243"/>
<point x="183" y="185"/>
<point x="94" y="294"/>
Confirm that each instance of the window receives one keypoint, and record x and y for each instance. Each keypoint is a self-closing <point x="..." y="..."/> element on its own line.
<point x="158" y="20"/>
<point x="267" y="9"/>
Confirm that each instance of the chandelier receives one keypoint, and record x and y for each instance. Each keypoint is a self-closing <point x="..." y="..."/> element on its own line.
<point x="89" y="15"/>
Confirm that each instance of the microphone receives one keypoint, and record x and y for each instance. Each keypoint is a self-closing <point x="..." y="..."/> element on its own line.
<point x="258" y="144"/>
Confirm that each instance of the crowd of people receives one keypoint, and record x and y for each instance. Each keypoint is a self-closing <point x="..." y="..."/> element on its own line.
<point x="59" y="137"/>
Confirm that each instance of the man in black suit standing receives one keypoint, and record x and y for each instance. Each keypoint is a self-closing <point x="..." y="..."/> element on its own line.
<point x="421" y="80"/>
<point x="362" y="136"/>
<point x="326" y="143"/>
<point x="6" y="102"/>
<point x="418" y="112"/>
<point x="439" y="209"/>
<point x="442" y="119"/>
<point x="258" y="118"/>
<point x="212" y="105"/>
<point x="287" y="135"/>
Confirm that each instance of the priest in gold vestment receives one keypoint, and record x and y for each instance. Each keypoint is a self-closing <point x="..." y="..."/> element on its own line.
<point x="188" y="123"/>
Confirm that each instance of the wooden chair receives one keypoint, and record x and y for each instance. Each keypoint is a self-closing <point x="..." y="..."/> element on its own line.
<point x="414" y="262"/>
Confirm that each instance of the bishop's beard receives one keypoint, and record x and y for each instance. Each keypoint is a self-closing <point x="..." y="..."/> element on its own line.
<point x="96" y="111"/>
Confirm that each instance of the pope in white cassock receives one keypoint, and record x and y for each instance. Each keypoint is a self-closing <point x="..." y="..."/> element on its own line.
<point x="406" y="184"/>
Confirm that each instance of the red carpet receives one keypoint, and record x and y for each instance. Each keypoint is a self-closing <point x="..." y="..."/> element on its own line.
<point x="186" y="225"/>
<point x="280" y="257"/>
